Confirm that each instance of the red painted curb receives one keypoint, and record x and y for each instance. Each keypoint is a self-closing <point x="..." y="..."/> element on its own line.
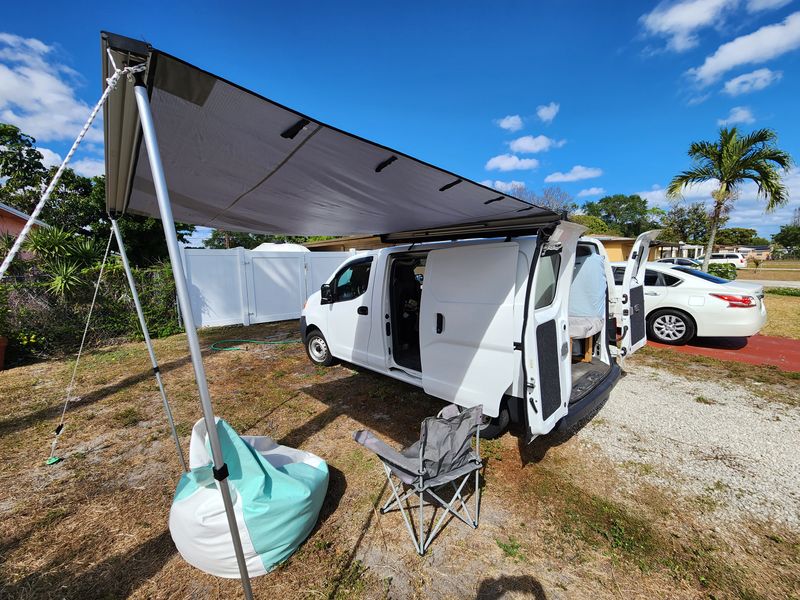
<point x="783" y="353"/>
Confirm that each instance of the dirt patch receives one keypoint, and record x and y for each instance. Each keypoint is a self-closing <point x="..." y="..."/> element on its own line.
<point x="559" y="519"/>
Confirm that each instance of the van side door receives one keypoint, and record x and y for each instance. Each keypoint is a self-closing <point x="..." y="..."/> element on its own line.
<point x="348" y="318"/>
<point x="631" y="309"/>
<point x="546" y="361"/>
<point x="466" y="324"/>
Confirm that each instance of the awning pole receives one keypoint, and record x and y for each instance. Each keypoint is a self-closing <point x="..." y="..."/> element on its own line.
<point x="165" y="210"/>
<point x="147" y="341"/>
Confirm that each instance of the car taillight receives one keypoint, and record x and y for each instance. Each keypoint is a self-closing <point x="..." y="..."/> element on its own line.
<point x="735" y="301"/>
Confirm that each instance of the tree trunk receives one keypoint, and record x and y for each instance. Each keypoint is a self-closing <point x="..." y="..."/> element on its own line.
<point x="712" y="234"/>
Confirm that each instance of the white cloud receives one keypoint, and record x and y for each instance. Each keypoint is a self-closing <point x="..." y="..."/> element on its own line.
<point x="754" y="6"/>
<point x="547" y="112"/>
<point x="592" y="191"/>
<point x="679" y="22"/>
<point x="701" y="192"/>
<point x="760" y="46"/>
<point x="751" y="82"/>
<point x="576" y="173"/>
<point x="738" y="114"/>
<point x="510" y="123"/>
<point x="507" y="187"/>
<point x="89" y="167"/>
<point x="509" y="162"/>
<point x="50" y="158"/>
<point x="529" y="144"/>
<point x="37" y="92"/>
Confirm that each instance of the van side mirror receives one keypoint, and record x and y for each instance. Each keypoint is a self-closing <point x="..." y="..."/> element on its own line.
<point x="326" y="294"/>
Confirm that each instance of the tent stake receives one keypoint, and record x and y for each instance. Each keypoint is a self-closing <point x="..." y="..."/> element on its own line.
<point x="147" y="341"/>
<point x="165" y="210"/>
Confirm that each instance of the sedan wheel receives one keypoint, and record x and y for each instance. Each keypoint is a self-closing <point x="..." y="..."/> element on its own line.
<point x="670" y="327"/>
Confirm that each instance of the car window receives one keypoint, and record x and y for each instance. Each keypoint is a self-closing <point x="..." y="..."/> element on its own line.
<point x="731" y="256"/>
<point x="651" y="278"/>
<point x="701" y="275"/>
<point x="351" y="282"/>
<point x="670" y="281"/>
<point x="547" y="280"/>
<point x="619" y="275"/>
<point x="717" y="256"/>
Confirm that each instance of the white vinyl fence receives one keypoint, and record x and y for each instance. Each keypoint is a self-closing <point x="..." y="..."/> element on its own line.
<point x="238" y="286"/>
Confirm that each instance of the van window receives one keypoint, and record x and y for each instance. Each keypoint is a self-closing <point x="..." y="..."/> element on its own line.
<point x="732" y="256"/>
<point x="351" y="282"/>
<point x="619" y="275"/>
<point x="717" y="256"/>
<point x="547" y="279"/>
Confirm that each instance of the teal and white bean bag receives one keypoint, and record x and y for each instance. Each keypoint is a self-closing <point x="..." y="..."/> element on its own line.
<point x="277" y="494"/>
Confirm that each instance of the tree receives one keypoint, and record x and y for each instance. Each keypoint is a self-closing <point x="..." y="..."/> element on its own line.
<point x="552" y="197"/>
<point x="21" y="166"/>
<point x="730" y="161"/>
<point x="685" y="223"/>
<point x="788" y="237"/>
<point x="221" y="239"/>
<point x="736" y="236"/>
<point x="594" y="224"/>
<point x="629" y="215"/>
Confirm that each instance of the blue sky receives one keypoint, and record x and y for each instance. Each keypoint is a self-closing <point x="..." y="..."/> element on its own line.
<point x="546" y="93"/>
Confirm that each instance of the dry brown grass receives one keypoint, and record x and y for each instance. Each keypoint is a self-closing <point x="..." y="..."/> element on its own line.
<point x="555" y="521"/>
<point x="783" y="316"/>
<point x="768" y="274"/>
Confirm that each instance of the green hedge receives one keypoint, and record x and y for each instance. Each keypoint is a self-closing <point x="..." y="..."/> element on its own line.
<point x="41" y="324"/>
<point x="724" y="270"/>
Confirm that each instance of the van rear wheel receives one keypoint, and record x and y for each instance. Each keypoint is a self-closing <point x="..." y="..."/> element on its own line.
<point x="493" y="427"/>
<point x="317" y="349"/>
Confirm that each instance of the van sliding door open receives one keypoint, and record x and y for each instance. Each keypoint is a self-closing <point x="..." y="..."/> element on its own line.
<point x="630" y="305"/>
<point x="467" y="324"/>
<point x="545" y="335"/>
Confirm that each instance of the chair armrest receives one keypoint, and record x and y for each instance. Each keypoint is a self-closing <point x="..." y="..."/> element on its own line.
<point x="385" y="453"/>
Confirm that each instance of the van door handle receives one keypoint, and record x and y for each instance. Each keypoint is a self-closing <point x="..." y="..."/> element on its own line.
<point x="363" y="310"/>
<point x="439" y="322"/>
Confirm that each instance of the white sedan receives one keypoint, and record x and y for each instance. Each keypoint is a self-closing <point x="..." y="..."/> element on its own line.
<point x="681" y="303"/>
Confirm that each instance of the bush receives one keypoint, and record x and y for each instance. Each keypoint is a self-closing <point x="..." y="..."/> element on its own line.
<point x="42" y="323"/>
<point x="783" y="291"/>
<point x="724" y="270"/>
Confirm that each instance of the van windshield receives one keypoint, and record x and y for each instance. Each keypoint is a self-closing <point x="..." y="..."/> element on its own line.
<point x="701" y="275"/>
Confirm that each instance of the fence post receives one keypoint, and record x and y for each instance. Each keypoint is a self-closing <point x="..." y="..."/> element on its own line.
<point x="244" y="297"/>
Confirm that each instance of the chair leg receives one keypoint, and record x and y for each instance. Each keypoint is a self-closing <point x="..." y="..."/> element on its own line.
<point x="421" y="547"/>
<point x="477" y="496"/>
<point x="417" y="545"/>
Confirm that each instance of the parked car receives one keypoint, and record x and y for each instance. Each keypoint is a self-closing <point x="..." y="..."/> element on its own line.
<point x="681" y="261"/>
<point x="494" y="322"/>
<point x="735" y="258"/>
<point x="682" y="302"/>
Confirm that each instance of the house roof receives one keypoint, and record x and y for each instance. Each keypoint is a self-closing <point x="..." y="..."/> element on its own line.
<point x="18" y="213"/>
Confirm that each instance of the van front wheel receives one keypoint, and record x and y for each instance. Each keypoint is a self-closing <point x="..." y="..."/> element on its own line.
<point x="317" y="349"/>
<point x="494" y="427"/>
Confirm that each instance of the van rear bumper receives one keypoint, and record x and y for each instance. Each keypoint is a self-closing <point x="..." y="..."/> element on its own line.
<point x="584" y="407"/>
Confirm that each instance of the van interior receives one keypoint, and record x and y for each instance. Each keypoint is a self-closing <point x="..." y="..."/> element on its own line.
<point x="587" y="314"/>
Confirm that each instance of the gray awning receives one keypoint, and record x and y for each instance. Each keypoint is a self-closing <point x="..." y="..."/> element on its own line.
<point x="238" y="161"/>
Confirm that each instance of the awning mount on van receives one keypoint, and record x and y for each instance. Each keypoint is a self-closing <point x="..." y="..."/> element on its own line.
<point x="236" y="160"/>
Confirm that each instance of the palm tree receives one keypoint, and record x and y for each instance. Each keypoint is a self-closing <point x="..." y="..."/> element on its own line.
<point x="731" y="161"/>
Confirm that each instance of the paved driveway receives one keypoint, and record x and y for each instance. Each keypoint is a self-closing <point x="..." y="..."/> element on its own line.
<point x="783" y="353"/>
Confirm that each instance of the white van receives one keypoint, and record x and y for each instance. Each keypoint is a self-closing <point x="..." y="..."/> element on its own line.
<point x="736" y="259"/>
<point x="488" y="321"/>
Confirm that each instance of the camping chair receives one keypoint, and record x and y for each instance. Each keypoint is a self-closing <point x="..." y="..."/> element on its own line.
<point x="443" y="456"/>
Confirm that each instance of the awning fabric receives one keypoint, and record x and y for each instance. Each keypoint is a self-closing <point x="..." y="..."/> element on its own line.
<point x="238" y="161"/>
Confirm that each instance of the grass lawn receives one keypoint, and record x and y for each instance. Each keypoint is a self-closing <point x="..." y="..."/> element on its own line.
<point x="556" y="521"/>
<point x="783" y="316"/>
<point x="768" y="274"/>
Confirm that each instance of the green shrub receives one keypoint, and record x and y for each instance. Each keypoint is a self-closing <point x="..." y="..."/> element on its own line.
<point x="724" y="270"/>
<point x="4" y="310"/>
<point x="42" y="322"/>
<point x="783" y="291"/>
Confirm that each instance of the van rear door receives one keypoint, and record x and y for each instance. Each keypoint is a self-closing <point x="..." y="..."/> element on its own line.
<point x="546" y="361"/>
<point x="466" y="326"/>
<point x="631" y="310"/>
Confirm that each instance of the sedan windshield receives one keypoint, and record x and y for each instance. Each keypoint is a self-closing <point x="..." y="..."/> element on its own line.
<point x="701" y="275"/>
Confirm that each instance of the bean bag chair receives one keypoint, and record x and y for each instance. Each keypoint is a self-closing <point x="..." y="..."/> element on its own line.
<point x="277" y="494"/>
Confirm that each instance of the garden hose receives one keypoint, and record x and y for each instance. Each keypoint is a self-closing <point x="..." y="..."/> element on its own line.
<point x="219" y="346"/>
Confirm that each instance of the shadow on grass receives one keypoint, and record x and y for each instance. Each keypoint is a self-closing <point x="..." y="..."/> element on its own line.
<point x="116" y="577"/>
<point x="23" y="422"/>
<point x="522" y="586"/>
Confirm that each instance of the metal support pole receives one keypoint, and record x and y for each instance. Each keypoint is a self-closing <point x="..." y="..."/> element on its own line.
<point x="165" y="209"/>
<point x="147" y="341"/>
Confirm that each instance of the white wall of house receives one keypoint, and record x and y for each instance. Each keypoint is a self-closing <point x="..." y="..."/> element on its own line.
<point x="244" y="287"/>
